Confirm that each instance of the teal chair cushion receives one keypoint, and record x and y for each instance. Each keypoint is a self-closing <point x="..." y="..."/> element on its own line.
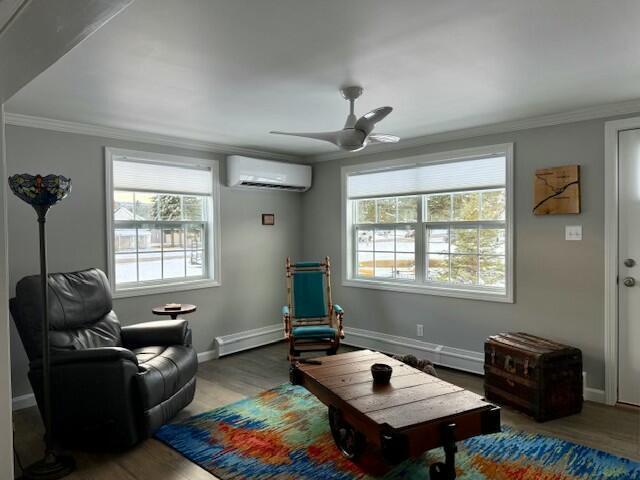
<point x="314" y="331"/>
<point x="308" y="295"/>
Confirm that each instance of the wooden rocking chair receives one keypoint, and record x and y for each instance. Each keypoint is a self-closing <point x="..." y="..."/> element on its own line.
<point x="311" y="321"/>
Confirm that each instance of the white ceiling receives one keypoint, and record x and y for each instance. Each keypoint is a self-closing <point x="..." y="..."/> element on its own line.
<point x="228" y="71"/>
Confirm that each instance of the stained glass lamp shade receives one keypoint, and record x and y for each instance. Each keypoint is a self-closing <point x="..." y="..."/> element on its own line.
<point x="39" y="191"/>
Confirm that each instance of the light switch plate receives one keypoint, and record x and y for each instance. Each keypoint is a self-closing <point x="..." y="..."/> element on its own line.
<point x="573" y="232"/>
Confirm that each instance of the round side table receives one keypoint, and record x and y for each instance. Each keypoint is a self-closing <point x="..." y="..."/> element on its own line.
<point x="184" y="309"/>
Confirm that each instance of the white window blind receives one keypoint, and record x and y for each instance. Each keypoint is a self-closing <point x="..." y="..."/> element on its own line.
<point x="131" y="174"/>
<point x="440" y="177"/>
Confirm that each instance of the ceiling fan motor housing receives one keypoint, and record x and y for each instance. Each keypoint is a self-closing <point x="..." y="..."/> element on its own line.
<point x="351" y="139"/>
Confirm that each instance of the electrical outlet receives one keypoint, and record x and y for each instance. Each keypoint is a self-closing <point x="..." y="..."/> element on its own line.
<point x="419" y="330"/>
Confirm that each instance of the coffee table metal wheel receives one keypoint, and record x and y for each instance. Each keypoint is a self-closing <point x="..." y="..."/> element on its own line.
<point x="349" y="441"/>
<point x="440" y="471"/>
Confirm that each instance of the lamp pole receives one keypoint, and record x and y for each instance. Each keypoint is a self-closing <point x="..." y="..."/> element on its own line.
<point x="46" y="351"/>
<point x="42" y="193"/>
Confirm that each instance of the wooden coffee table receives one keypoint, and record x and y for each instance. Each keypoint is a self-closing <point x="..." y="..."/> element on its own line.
<point x="414" y="413"/>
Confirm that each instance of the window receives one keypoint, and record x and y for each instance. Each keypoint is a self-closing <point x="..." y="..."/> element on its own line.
<point x="385" y="233"/>
<point x="439" y="224"/>
<point x="162" y="217"/>
<point x="465" y="238"/>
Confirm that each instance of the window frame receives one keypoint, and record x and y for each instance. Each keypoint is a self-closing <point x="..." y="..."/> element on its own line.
<point x="420" y="285"/>
<point x="212" y="234"/>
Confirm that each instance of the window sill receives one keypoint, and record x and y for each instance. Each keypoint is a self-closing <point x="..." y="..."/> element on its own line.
<point x="165" y="288"/>
<point x="430" y="290"/>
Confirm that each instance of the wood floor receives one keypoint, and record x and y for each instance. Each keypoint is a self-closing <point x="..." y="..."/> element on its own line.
<point x="613" y="429"/>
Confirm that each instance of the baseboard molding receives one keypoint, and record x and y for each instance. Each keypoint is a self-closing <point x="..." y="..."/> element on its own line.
<point x="257" y="337"/>
<point x="459" y="359"/>
<point x="208" y="355"/>
<point x="456" y="358"/>
<point x="594" y="395"/>
<point x="23" y="401"/>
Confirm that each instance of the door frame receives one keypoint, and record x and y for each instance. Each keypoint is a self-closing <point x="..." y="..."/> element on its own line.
<point x="611" y="321"/>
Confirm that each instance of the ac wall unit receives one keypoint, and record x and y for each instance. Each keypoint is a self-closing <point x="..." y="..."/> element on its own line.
<point x="246" y="172"/>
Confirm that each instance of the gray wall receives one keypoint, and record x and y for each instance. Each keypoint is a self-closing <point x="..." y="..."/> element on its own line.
<point x="559" y="285"/>
<point x="252" y="289"/>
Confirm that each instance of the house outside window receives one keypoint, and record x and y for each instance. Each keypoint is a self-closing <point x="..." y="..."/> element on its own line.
<point x="439" y="224"/>
<point x="163" y="222"/>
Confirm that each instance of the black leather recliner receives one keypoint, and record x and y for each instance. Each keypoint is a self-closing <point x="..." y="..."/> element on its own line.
<point x="112" y="386"/>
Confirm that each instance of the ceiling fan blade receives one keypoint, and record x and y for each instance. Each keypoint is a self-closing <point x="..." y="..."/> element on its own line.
<point x="368" y="121"/>
<point x="326" y="136"/>
<point x="383" y="138"/>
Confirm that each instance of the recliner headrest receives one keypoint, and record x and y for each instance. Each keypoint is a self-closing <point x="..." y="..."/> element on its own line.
<point x="76" y="299"/>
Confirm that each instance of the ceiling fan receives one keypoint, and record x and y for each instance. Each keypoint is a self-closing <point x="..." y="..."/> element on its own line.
<point x="357" y="132"/>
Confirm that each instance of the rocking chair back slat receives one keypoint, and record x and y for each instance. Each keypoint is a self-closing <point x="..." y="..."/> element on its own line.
<point x="315" y="265"/>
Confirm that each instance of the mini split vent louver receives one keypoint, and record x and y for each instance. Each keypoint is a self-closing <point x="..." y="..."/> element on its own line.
<point x="272" y="186"/>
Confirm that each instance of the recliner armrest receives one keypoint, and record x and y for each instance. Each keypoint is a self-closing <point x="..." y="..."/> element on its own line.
<point x="101" y="354"/>
<point x="158" y="333"/>
<point x="94" y="395"/>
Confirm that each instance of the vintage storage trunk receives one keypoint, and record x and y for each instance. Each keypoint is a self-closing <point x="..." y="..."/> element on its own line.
<point x="534" y="375"/>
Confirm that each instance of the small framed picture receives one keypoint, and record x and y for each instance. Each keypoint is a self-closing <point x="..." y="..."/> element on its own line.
<point x="268" y="219"/>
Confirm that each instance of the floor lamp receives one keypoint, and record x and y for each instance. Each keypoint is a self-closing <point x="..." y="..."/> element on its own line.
<point x="42" y="193"/>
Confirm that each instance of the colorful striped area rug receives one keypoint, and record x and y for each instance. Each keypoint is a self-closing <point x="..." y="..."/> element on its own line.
<point x="284" y="434"/>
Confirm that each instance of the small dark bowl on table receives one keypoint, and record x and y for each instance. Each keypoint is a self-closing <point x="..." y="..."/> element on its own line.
<point x="381" y="373"/>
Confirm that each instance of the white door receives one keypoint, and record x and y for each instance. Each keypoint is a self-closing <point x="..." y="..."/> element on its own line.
<point x="629" y="267"/>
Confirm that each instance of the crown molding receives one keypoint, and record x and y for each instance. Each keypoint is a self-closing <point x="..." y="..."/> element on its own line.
<point x="589" y="113"/>
<point x="20" y="120"/>
<point x="9" y="11"/>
